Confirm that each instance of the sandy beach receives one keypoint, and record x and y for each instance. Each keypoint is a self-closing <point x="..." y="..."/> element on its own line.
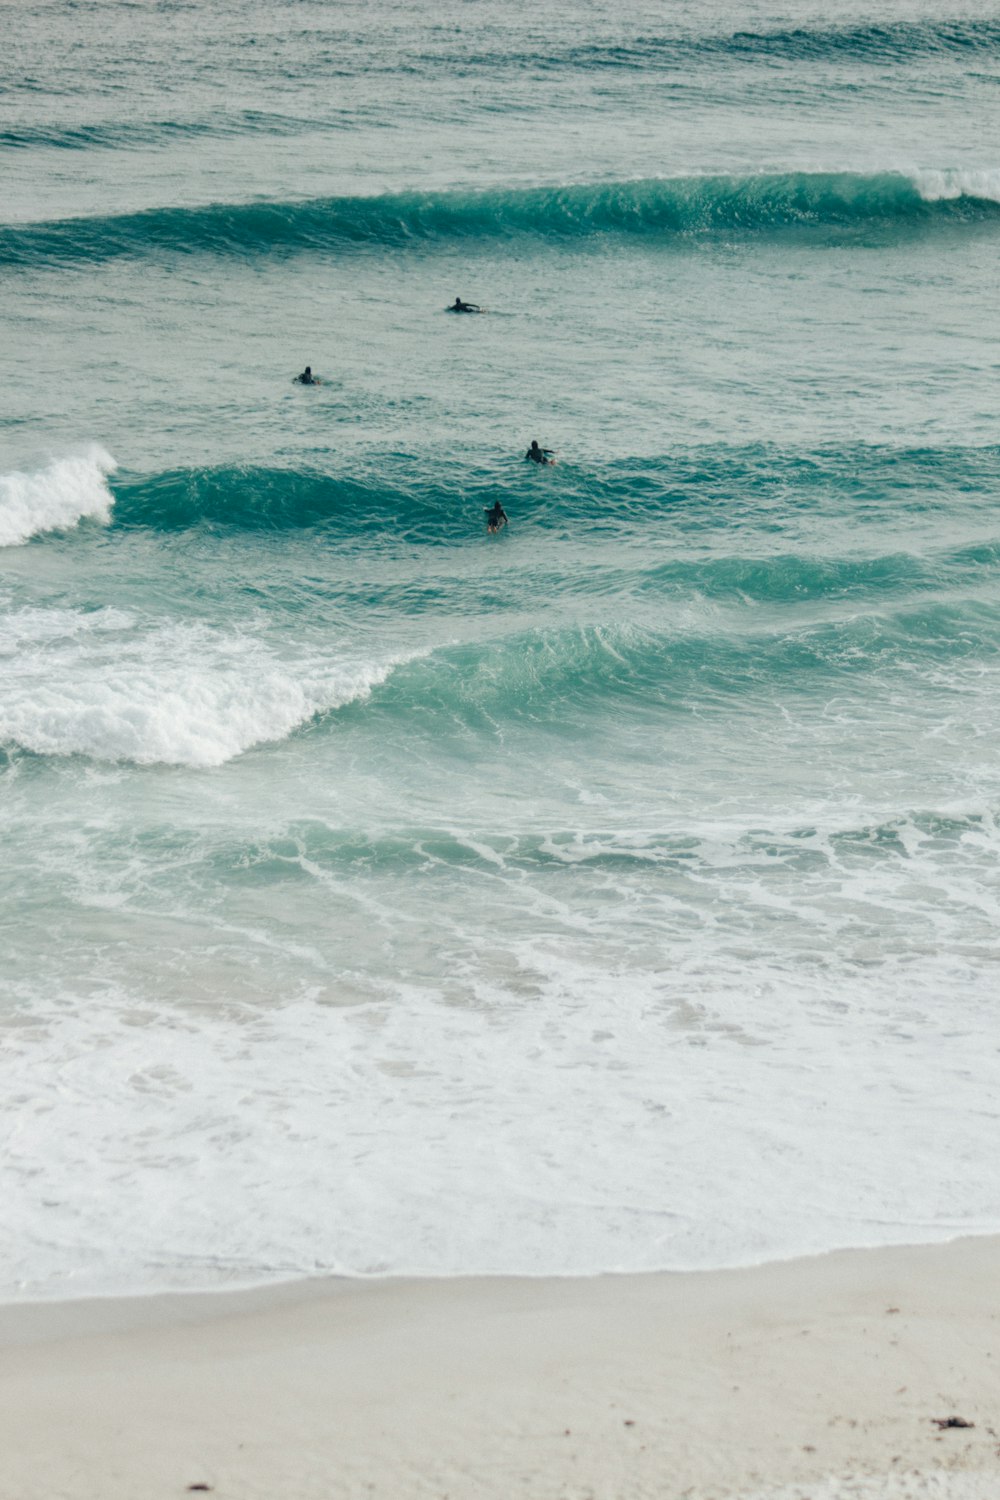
<point x="812" y="1379"/>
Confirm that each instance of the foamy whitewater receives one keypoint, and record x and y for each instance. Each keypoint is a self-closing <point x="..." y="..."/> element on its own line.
<point x="618" y="892"/>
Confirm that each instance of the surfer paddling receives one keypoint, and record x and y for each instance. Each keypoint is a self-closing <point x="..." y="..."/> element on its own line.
<point x="496" y="517"/>
<point x="306" y="378"/>
<point x="459" y="306"/>
<point x="539" y="455"/>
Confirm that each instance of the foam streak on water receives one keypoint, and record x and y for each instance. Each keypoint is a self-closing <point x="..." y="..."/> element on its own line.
<point x="617" y="892"/>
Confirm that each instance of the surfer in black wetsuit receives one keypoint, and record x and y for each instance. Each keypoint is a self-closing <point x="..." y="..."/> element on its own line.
<point x="495" y="517"/>
<point x="539" y="455"/>
<point x="306" y="378"/>
<point x="459" y="306"/>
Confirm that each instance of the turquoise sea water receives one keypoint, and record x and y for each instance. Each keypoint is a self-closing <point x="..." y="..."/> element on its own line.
<point x="617" y="892"/>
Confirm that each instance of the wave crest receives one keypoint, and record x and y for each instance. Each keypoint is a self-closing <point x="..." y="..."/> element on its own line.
<point x="55" y="497"/>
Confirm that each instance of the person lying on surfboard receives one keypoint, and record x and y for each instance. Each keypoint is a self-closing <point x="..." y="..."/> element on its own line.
<point x="495" y="517"/>
<point x="459" y="306"/>
<point x="307" y="377"/>
<point x="539" y="455"/>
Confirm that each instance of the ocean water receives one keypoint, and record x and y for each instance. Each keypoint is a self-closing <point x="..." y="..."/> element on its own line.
<point x="617" y="892"/>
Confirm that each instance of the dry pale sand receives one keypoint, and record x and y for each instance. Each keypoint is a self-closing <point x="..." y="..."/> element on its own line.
<point x="815" y="1380"/>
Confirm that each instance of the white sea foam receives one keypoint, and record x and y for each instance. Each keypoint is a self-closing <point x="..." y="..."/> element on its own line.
<point x="23" y="629"/>
<point x="935" y="186"/>
<point x="629" y="1122"/>
<point x="55" y="497"/>
<point x="100" y="686"/>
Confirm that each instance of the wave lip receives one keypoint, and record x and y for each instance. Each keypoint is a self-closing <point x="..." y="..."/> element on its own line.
<point x="55" y="497"/>
<point x="755" y="203"/>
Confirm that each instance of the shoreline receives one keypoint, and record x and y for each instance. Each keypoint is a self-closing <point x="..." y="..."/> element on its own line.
<point x="703" y="1385"/>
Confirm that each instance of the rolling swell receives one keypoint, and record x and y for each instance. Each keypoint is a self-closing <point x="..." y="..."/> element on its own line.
<point x="568" y="676"/>
<point x="705" y="490"/>
<point x="404" y="494"/>
<point x="404" y="502"/>
<point x="704" y="496"/>
<point x="827" y="204"/>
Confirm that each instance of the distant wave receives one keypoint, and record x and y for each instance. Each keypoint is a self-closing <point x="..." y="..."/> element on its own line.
<point x="828" y="203"/>
<point x="874" y="41"/>
<point x="56" y="496"/>
<point x="671" y="50"/>
<point x="891" y="41"/>
<point x="133" y="134"/>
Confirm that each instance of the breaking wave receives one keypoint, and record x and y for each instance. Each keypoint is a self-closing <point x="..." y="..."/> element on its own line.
<point x="55" y="497"/>
<point x="108" y="686"/>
